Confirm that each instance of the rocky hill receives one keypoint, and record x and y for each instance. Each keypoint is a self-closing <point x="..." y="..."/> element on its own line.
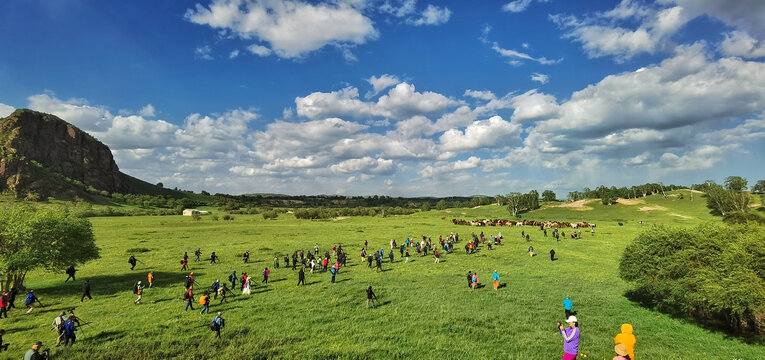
<point x="44" y="155"/>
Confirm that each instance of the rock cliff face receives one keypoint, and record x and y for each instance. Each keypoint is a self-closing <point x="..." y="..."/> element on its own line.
<point x="42" y="153"/>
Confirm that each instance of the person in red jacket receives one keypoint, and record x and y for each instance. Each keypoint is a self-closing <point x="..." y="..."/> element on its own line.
<point x="4" y="305"/>
<point x="266" y="273"/>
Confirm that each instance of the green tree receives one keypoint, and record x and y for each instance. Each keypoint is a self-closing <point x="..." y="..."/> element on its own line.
<point x="759" y="187"/>
<point x="441" y="205"/>
<point x="501" y="200"/>
<point x="735" y="183"/>
<point x="426" y="206"/>
<point x="41" y="238"/>
<point x="531" y="200"/>
<point x="515" y="202"/>
<point x="548" y="195"/>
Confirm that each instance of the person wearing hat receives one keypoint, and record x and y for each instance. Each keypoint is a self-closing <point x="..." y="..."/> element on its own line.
<point x="570" y="338"/>
<point x="34" y="352"/>
<point x="218" y="323"/>
<point x="58" y="325"/>
<point x="627" y="339"/>
<point x="621" y="352"/>
<point x="139" y="292"/>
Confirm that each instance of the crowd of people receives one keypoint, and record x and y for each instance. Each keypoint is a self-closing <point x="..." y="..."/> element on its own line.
<point x="315" y="262"/>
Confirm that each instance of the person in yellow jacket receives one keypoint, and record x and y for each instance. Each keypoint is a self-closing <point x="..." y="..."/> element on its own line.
<point x="151" y="278"/>
<point x="627" y="339"/>
<point x="204" y="300"/>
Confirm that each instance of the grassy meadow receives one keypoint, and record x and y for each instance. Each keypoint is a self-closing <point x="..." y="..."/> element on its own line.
<point x="425" y="310"/>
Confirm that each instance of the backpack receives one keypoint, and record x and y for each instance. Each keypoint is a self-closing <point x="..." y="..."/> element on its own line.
<point x="186" y="296"/>
<point x="29" y="300"/>
<point x="214" y="325"/>
<point x="135" y="289"/>
<point x="202" y="300"/>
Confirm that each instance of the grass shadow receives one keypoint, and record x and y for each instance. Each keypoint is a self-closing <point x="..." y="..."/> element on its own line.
<point x="103" y="285"/>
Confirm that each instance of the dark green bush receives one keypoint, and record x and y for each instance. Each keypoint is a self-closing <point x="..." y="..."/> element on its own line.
<point x="742" y="218"/>
<point x="714" y="274"/>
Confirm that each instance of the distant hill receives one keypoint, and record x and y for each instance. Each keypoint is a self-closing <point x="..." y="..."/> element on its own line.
<point x="44" y="155"/>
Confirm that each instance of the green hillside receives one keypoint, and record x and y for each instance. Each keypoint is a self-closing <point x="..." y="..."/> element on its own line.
<point x="426" y="310"/>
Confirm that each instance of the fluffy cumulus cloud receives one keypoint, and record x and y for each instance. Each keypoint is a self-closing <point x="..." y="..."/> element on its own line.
<point x="400" y="102"/>
<point x="75" y="111"/>
<point x="5" y="110"/>
<point x="634" y="27"/>
<point x="291" y="28"/>
<point x="489" y="134"/>
<point x="540" y="78"/>
<point x="534" y="106"/>
<point x="380" y="83"/>
<point x="407" y="10"/>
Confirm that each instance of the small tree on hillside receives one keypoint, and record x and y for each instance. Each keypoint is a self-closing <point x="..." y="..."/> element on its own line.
<point x="531" y="200"/>
<point x="548" y="195"/>
<point x="426" y="206"/>
<point x="441" y="205"/>
<point x="735" y="183"/>
<point x="49" y="239"/>
<point x="759" y="187"/>
<point x="515" y="203"/>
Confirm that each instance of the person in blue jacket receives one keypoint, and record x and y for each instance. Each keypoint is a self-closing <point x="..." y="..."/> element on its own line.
<point x="567" y="304"/>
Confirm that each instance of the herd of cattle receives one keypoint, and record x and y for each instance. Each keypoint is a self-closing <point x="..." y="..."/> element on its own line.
<point x="503" y="222"/>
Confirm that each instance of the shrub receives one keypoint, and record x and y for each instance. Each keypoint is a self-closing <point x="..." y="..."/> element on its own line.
<point x="228" y="217"/>
<point x="215" y="217"/>
<point x="270" y="214"/>
<point x="714" y="274"/>
<point x="198" y="217"/>
<point x="32" y="196"/>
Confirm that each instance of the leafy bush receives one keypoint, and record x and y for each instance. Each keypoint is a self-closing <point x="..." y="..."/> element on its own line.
<point x="198" y="217"/>
<point x="714" y="274"/>
<point x="228" y="217"/>
<point x="32" y="196"/>
<point x="215" y="217"/>
<point x="270" y="214"/>
<point x="742" y="218"/>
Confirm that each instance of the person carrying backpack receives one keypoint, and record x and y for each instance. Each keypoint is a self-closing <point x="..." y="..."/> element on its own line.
<point x="204" y="300"/>
<point x="189" y="297"/>
<point x="138" y="290"/>
<point x="217" y="323"/>
<point x="132" y="261"/>
<point x="371" y="297"/>
<point x="30" y="301"/>
<point x="232" y="278"/>
<point x="69" y="335"/>
<point x="266" y="273"/>
<point x="4" y="305"/>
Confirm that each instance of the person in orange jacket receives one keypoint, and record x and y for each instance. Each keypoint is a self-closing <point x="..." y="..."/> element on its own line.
<point x="627" y="339"/>
<point x="151" y="278"/>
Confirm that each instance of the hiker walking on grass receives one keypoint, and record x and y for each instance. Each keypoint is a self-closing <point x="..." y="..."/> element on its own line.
<point x="570" y="338"/>
<point x="232" y="279"/>
<point x="132" y="261"/>
<point x="150" y="278"/>
<point x="69" y="332"/>
<point x="189" y="297"/>
<point x="475" y="281"/>
<point x="390" y="256"/>
<point x="371" y="297"/>
<point x="407" y="257"/>
<point x="333" y="272"/>
<point x="86" y="291"/>
<point x="204" y="300"/>
<point x="266" y="274"/>
<point x="246" y="256"/>
<point x="30" y="301"/>
<point x="138" y="290"/>
<point x="70" y="271"/>
<point x="4" y="305"/>
<point x="495" y="278"/>
<point x="437" y="256"/>
<point x="197" y="254"/>
<point x="214" y="287"/>
<point x="184" y="261"/>
<point x="213" y="258"/>
<point x="552" y="255"/>
<point x="58" y="326"/>
<point x="301" y="276"/>
<point x="217" y="324"/>
<point x="470" y="279"/>
<point x="567" y="305"/>
<point x="626" y="339"/>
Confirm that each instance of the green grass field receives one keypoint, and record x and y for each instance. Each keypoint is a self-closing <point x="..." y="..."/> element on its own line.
<point x="426" y="310"/>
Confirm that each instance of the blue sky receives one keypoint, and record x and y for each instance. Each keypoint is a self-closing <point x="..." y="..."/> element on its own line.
<point x="399" y="97"/>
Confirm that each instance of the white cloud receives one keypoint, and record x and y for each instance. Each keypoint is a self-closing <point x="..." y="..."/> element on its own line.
<point x="486" y="134"/>
<point x="259" y="50"/>
<point x="203" y="52"/>
<point x="147" y="111"/>
<point x="540" y="78"/>
<point x="135" y="132"/>
<point x="534" y="106"/>
<point x="745" y="15"/>
<point x="402" y="101"/>
<point x="6" y="110"/>
<point x="233" y="54"/>
<point x="638" y="160"/>
<point x="74" y="111"/>
<point x="517" y="6"/>
<point x="406" y="7"/>
<point x="704" y="157"/>
<point x="739" y="43"/>
<point x="366" y="165"/>
<point x="515" y="55"/>
<point x="381" y="83"/>
<point x="432" y="15"/>
<point x="292" y="28"/>
<point x="482" y="95"/>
